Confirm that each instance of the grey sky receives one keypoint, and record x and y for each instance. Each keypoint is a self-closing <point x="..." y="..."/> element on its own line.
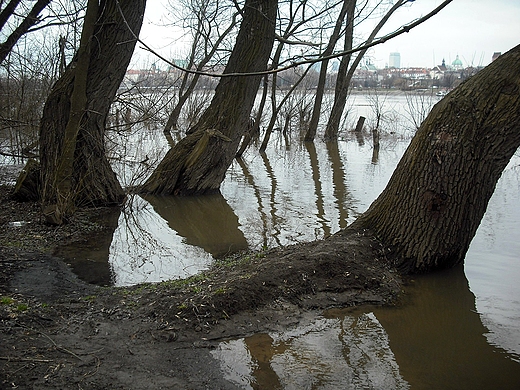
<point x="472" y="29"/>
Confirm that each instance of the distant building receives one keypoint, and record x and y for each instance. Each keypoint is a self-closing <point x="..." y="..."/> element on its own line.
<point x="496" y="55"/>
<point x="395" y="60"/>
<point x="457" y="64"/>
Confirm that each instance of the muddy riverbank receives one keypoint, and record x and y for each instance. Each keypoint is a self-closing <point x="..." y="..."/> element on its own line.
<point x="59" y="332"/>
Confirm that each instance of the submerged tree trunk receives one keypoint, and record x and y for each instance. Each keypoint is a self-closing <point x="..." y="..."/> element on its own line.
<point x="198" y="163"/>
<point x="342" y="81"/>
<point x="438" y="194"/>
<point x="345" y="73"/>
<point x="320" y="90"/>
<point x="88" y="176"/>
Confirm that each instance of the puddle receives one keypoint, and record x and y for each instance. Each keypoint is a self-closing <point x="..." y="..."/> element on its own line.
<point x="435" y="340"/>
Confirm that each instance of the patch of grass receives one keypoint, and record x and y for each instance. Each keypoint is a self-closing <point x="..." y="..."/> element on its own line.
<point x="22" y="307"/>
<point x="220" y="290"/>
<point x="89" y="298"/>
<point x="180" y="283"/>
<point x="13" y="244"/>
<point x="239" y="259"/>
<point x="6" y="300"/>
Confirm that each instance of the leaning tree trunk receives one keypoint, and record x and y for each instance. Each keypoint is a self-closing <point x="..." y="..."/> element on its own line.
<point x="320" y="90"/>
<point x="345" y="73"/>
<point x="29" y="21"/>
<point x="198" y="163"/>
<point x="342" y="81"/>
<point x="92" y="181"/>
<point x="438" y="194"/>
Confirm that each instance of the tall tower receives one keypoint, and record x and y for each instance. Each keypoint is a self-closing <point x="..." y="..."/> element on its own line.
<point x="395" y="60"/>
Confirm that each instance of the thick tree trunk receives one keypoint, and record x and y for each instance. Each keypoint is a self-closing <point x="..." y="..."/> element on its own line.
<point x="198" y="163"/>
<point x="62" y="181"/>
<point x="92" y="182"/>
<point x="438" y="194"/>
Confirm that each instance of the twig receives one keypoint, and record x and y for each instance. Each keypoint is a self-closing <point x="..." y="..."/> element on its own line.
<point x="58" y="347"/>
<point x="16" y="359"/>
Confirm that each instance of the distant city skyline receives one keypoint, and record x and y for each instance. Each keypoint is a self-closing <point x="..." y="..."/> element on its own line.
<point x="471" y="29"/>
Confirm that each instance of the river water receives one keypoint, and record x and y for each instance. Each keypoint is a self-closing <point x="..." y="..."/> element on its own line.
<point x="457" y="329"/>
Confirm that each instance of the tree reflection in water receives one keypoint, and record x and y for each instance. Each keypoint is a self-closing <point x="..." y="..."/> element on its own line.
<point x="433" y="340"/>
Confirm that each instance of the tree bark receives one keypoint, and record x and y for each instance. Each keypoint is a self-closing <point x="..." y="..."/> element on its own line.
<point x="92" y="181"/>
<point x="438" y="194"/>
<point x="198" y="163"/>
<point x="62" y="181"/>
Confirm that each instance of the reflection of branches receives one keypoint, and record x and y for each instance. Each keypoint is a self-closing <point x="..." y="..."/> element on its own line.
<point x="272" y="199"/>
<point x="138" y="235"/>
<point x="311" y="149"/>
<point x="338" y="181"/>
<point x="251" y="182"/>
<point x="134" y="153"/>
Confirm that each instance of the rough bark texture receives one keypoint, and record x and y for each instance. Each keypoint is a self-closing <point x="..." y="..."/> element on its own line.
<point x="93" y="182"/>
<point x="198" y="163"/>
<point x="63" y="202"/>
<point x="438" y="194"/>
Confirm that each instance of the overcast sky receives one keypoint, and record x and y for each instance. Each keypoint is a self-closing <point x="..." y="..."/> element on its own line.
<point x="472" y="29"/>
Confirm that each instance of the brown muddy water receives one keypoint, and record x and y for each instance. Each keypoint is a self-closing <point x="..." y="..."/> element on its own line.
<point x="458" y="329"/>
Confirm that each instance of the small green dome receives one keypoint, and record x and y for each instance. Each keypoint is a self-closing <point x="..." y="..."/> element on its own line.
<point x="457" y="62"/>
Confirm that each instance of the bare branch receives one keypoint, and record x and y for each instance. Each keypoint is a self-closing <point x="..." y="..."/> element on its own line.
<point x="404" y="29"/>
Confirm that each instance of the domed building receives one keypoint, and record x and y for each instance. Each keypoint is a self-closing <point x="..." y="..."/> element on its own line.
<point x="457" y="64"/>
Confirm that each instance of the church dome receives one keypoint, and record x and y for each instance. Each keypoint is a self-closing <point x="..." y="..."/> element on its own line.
<point x="457" y="63"/>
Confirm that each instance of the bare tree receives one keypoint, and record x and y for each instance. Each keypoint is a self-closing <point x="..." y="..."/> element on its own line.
<point x="346" y="72"/>
<point x="299" y="21"/>
<point x="434" y="202"/>
<point x="320" y="89"/>
<point x="208" y="38"/>
<point x="29" y="21"/>
<point x="74" y="167"/>
<point x="198" y="163"/>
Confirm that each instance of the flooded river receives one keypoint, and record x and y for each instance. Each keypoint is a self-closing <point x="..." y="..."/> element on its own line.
<point x="457" y="329"/>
